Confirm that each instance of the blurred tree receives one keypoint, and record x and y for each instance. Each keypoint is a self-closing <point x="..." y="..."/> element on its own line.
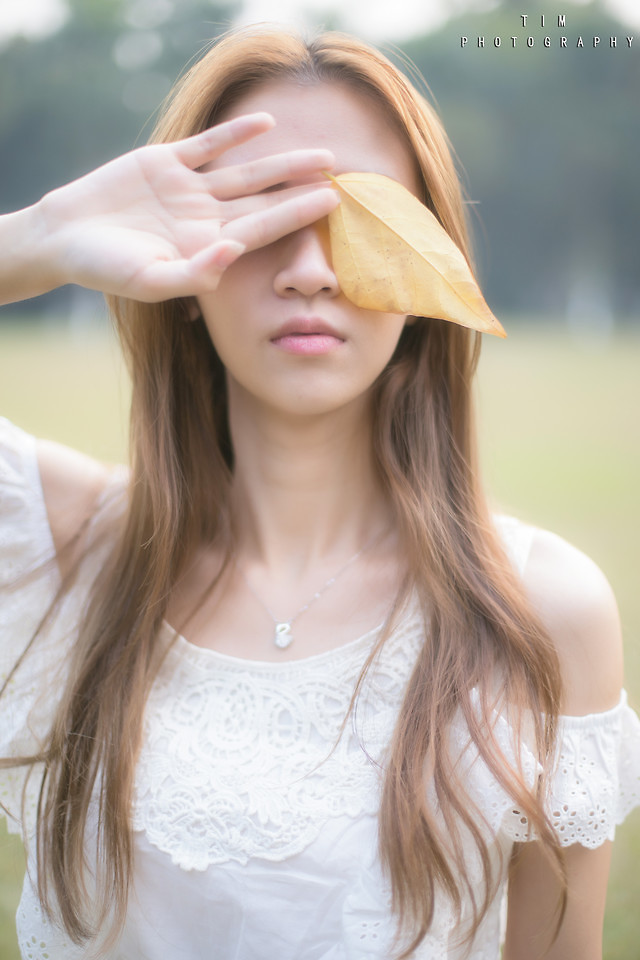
<point x="81" y="96"/>
<point x="549" y="139"/>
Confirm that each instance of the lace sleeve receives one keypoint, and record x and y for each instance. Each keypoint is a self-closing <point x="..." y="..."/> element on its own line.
<point x="596" y="780"/>
<point x="28" y="584"/>
<point x="38" y="628"/>
<point x="25" y="537"/>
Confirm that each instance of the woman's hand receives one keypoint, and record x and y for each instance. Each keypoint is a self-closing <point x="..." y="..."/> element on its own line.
<point x="159" y="222"/>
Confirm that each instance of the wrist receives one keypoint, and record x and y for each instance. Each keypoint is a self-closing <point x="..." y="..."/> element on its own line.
<point x="30" y="264"/>
<point x="48" y="254"/>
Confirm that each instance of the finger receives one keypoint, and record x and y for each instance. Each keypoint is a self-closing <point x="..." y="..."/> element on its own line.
<point x="237" y="181"/>
<point x="259" y="202"/>
<point x="206" y="146"/>
<point x="263" y="227"/>
<point x="167" y="279"/>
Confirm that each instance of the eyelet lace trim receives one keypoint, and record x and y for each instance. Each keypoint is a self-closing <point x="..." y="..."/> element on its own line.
<point x="38" y="938"/>
<point x="596" y="782"/>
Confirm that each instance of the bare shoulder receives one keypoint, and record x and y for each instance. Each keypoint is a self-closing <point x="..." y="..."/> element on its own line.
<point x="71" y="483"/>
<point x="576" y="604"/>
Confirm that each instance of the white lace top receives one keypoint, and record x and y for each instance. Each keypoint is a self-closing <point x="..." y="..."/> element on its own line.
<point x="253" y="841"/>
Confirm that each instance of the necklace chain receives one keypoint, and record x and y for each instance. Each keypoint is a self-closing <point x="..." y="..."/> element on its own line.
<point x="283" y="637"/>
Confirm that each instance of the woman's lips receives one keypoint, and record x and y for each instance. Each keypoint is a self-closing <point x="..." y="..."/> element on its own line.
<point x="307" y="344"/>
<point x="307" y="336"/>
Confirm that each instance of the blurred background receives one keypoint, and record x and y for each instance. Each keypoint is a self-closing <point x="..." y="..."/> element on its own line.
<point x="547" y="140"/>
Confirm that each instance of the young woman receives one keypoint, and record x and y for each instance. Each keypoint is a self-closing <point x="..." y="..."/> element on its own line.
<point x="287" y="689"/>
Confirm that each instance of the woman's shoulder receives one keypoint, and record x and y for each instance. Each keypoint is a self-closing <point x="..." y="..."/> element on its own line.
<point x="50" y="483"/>
<point x="72" y="483"/>
<point x="575" y="602"/>
<point x="73" y="486"/>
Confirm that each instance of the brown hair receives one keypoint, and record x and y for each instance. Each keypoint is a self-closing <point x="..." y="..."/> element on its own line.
<point x="479" y="629"/>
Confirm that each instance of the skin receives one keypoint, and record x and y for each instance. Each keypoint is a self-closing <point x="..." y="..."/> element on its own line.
<point x="305" y="492"/>
<point x="305" y="495"/>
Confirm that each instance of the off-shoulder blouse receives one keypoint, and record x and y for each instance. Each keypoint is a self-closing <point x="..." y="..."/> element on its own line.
<point x="255" y="834"/>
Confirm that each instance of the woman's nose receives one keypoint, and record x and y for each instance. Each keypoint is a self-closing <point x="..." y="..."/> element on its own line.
<point x="306" y="267"/>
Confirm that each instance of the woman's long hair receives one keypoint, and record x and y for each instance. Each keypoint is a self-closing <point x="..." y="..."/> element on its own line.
<point x="480" y="634"/>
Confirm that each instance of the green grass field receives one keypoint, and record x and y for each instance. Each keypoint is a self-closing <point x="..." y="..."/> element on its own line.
<point x="561" y="448"/>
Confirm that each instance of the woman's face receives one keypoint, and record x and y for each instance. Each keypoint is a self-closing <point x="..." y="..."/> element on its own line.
<point x="287" y="335"/>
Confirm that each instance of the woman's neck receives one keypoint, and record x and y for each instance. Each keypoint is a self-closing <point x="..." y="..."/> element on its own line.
<point x="305" y="488"/>
<point x="306" y="506"/>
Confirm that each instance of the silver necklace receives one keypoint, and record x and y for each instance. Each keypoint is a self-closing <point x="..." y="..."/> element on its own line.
<point x="283" y="637"/>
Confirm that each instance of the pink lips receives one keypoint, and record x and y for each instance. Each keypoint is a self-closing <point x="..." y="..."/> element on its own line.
<point x="307" y="336"/>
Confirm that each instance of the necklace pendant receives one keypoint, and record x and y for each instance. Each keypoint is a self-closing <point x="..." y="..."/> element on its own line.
<point x="283" y="636"/>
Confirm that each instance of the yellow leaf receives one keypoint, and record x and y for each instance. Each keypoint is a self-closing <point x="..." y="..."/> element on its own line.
<point x="391" y="254"/>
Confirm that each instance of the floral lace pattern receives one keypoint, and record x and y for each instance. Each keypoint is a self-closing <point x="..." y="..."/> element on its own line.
<point x="237" y="759"/>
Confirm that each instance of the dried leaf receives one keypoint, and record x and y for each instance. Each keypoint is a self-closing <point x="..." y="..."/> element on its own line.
<point x="390" y="253"/>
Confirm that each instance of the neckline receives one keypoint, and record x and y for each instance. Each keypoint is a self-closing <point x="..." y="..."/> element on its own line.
<point x="207" y="657"/>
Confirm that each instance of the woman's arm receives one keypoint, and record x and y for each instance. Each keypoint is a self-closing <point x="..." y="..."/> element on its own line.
<point x="577" y="606"/>
<point x="158" y="223"/>
<point x="534" y="894"/>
